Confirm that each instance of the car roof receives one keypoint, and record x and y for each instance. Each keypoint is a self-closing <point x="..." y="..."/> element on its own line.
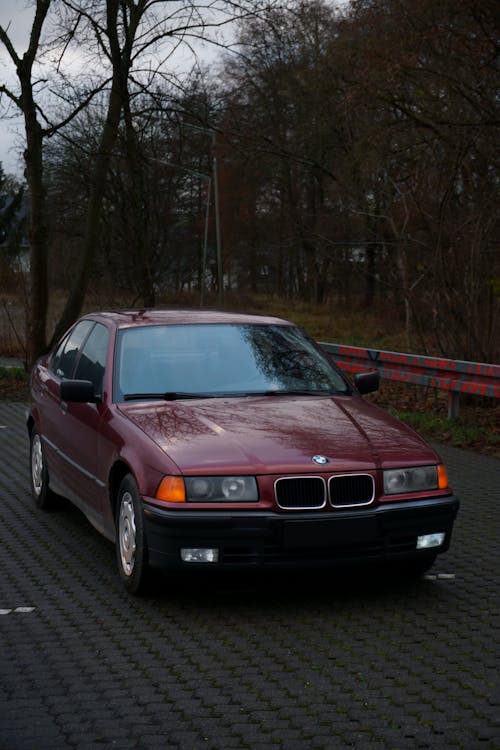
<point x="141" y="317"/>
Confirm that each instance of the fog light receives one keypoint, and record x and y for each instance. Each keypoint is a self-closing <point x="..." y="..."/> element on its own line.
<point x="200" y="554"/>
<point x="430" y="540"/>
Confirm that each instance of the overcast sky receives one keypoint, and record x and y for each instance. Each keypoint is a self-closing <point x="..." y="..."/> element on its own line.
<point x="20" y="17"/>
<point x="17" y="16"/>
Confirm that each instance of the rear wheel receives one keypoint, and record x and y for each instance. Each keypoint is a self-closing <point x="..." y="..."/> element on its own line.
<point x="42" y="494"/>
<point x="131" y="547"/>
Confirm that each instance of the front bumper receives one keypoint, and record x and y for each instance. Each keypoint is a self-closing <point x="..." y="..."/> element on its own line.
<point x="264" y="539"/>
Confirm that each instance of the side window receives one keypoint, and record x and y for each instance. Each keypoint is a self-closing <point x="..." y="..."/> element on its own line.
<point x="63" y="362"/>
<point x="92" y="361"/>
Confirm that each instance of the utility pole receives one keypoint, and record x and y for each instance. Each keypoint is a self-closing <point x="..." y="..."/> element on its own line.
<point x="215" y="181"/>
<point x="220" y="277"/>
<point x="205" y="243"/>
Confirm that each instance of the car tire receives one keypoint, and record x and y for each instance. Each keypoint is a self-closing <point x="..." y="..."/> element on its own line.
<point x="42" y="494"/>
<point x="131" y="546"/>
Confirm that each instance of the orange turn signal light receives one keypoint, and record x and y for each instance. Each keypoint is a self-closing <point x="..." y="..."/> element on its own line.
<point x="171" y="490"/>
<point x="442" y="477"/>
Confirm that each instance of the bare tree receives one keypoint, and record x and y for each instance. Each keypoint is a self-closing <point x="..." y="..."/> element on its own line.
<point x="282" y="98"/>
<point x="38" y="230"/>
<point x="423" y="83"/>
<point x="38" y="126"/>
<point x="123" y="35"/>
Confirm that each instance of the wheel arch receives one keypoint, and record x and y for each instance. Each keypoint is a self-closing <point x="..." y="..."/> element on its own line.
<point x="30" y="423"/>
<point x="119" y="470"/>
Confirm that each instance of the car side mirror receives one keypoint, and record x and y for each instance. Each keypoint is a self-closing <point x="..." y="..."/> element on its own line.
<point x="367" y="382"/>
<point x="80" y="391"/>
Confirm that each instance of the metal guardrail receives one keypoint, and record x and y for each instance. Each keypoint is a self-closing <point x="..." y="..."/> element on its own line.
<point x="450" y="375"/>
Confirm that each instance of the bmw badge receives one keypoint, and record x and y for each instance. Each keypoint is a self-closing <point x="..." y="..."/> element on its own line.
<point x="322" y="460"/>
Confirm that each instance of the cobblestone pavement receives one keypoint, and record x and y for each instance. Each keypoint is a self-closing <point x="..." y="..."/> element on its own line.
<point x="286" y="662"/>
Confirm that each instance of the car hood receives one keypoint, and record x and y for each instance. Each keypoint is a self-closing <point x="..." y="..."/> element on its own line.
<point x="277" y="434"/>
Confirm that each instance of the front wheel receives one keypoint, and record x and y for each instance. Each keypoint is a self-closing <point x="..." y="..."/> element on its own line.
<point x="42" y="494"/>
<point x="131" y="547"/>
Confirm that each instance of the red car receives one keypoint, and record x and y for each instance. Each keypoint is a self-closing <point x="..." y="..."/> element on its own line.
<point x="226" y="441"/>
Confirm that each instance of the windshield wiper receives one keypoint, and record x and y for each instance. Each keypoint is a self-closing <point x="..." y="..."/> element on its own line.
<point x="291" y="392"/>
<point x="168" y="396"/>
<point x="179" y="395"/>
<point x="302" y="392"/>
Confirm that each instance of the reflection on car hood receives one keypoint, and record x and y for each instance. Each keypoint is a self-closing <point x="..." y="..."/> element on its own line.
<point x="269" y="435"/>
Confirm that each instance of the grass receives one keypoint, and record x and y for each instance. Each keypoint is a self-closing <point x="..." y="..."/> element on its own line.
<point x="14" y="383"/>
<point x="457" y="431"/>
<point x="466" y="431"/>
<point x="476" y="428"/>
<point x="345" y="324"/>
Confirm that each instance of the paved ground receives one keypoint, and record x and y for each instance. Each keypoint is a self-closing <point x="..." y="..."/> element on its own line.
<point x="232" y="664"/>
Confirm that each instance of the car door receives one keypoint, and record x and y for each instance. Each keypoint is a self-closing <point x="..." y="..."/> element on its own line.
<point x="82" y="425"/>
<point x="53" y="423"/>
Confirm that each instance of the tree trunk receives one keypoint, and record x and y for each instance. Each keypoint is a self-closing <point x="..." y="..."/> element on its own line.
<point x="121" y="65"/>
<point x="37" y="232"/>
<point x="37" y="228"/>
<point x="99" y="173"/>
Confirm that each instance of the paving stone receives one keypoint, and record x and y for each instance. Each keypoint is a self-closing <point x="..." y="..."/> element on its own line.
<point x="304" y="660"/>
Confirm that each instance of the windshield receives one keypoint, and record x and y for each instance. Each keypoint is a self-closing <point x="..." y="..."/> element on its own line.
<point x="179" y="361"/>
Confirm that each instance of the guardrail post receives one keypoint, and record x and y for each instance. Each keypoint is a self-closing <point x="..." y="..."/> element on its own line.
<point x="453" y="404"/>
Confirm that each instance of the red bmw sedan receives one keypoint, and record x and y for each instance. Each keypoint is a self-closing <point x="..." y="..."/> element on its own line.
<point x="223" y="441"/>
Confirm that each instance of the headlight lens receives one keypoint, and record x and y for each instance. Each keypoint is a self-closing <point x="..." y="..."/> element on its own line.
<point x="221" y="489"/>
<point x="417" y="479"/>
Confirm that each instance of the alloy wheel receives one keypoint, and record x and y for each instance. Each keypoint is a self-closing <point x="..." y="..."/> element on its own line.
<point x="127" y="533"/>
<point x="37" y="465"/>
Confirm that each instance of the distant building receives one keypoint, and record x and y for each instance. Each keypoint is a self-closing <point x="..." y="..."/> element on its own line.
<point x="14" y="245"/>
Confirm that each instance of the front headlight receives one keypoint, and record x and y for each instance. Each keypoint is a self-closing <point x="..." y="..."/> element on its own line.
<point x="221" y="489"/>
<point x="417" y="479"/>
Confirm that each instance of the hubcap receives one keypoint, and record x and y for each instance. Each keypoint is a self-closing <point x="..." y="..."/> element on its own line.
<point x="126" y="533"/>
<point x="37" y="465"/>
